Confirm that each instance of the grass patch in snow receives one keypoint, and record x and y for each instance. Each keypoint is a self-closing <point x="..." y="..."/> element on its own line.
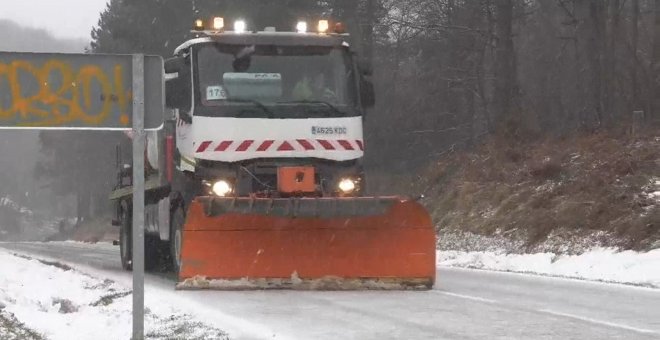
<point x="184" y="327"/>
<point x="55" y="264"/>
<point x="12" y="329"/>
<point x="106" y="300"/>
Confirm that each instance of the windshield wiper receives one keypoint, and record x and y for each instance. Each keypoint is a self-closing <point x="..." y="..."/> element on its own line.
<point x="321" y="102"/>
<point x="256" y="103"/>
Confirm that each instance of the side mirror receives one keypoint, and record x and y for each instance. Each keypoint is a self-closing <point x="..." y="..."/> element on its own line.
<point x="366" y="68"/>
<point x="178" y="88"/>
<point x="367" y="93"/>
<point x="177" y="93"/>
<point x="175" y="65"/>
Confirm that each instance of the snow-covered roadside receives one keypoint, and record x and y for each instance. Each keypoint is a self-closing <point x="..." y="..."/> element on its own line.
<point x="59" y="302"/>
<point x="599" y="264"/>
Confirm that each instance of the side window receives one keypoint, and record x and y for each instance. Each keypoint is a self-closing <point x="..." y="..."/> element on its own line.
<point x="212" y="65"/>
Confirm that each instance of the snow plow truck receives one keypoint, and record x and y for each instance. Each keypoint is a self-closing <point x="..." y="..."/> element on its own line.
<point x="256" y="181"/>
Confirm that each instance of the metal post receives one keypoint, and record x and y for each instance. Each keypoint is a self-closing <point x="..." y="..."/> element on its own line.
<point x="138" y="196"/>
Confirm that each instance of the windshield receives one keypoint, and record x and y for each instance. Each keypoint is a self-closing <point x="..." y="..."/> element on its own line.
<point x="275" y="81"/>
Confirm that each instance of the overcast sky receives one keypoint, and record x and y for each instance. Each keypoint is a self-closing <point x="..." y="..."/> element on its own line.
<point x="63" y="18"/>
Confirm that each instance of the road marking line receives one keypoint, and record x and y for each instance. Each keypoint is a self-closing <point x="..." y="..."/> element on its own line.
<point x="600" y="322"/>
<point x="468" y="297"/>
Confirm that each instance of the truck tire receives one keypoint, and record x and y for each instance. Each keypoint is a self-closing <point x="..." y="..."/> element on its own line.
<point x="152" y="244"/>
<point x="177" y="219"/>
<point x="152" y="253"/>
<point x="125" y="237"/>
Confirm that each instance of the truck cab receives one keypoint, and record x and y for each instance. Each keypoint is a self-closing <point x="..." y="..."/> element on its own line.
<point x="269" y="114"/>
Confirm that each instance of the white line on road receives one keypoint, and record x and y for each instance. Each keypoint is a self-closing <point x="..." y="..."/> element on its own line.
<point x="600" y="322"/>
<point x="554" y="277"/>
<point x="467" y="297"/>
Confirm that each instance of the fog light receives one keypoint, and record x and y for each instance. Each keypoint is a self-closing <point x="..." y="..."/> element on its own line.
<point x="221" y="188"/>
<point x="347" y="185"/>
<point x="324" y="25"/>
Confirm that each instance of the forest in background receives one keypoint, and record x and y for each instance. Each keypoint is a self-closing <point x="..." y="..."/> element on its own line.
<point x="19" y="150"/>
<point x="448" y="73"/>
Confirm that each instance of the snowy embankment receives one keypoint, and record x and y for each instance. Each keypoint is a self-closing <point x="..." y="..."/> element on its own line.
<point x="564" y="253"/>
<point x="600" y="264"/>
<point x="50" y="300"/>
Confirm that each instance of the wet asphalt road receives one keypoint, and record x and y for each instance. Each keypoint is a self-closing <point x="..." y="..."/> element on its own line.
<point x="465" y="304"/>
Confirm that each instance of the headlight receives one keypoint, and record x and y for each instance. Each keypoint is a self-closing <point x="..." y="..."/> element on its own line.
<point x="323" y="26"/>
<point x="221" y="188"/>
<point x="347" y="185"/>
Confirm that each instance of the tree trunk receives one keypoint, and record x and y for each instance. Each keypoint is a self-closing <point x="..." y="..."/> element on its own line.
<point x="597" y="55"/>
<point x="347" y="11"/>
<point x="635" y="47"/>
<point x="82" y="205"/>
<point x="505" y="94"/>
<point x="369" y="31"/>
<point x="480" y="83"/>
<point x="654" y="98"/>
<point x="589" y="14"/>
<point x="610" y="71"/>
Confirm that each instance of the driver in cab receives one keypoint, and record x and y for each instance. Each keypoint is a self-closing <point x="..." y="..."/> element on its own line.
<point x="313" y="89"/>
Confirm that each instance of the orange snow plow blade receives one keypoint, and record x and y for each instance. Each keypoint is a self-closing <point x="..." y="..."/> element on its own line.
<point x="307" y="243"/>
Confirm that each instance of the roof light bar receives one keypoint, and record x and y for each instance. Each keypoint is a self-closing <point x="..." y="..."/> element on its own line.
<point x="240" y="26"/>
<point x="218" y="23"/>
<point x="217" y="26"/>
<point x="301" y="27"/>
<point x="340" y="28"/>
<point x="199" y="25"/>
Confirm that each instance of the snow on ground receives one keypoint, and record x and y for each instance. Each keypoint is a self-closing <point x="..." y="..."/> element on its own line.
<point x="652" y="192"/>
<point x="559" y="241"/>
<point x="8" y="202"/>
<point x="55" y="301"/>
<point x="599" y="264"/>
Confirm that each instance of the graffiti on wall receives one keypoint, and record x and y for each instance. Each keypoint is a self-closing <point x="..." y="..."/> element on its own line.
<point x="56" y="93"/>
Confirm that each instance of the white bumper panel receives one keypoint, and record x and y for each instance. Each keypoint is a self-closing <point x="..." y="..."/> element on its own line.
<point x="237" y="139"/>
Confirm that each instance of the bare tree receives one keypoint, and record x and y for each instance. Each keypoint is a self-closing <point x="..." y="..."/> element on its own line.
<point x="654" y="99"/>
<point x="505" y="94"/>
<point x="635" y="60"/>
<point x="369" y="30"/>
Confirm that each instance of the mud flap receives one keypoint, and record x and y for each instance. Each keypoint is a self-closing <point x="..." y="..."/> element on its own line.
<point x="307" y="243"/>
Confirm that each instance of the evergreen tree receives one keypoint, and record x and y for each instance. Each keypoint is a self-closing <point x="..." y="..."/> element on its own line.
<point x="142" y="26"/>
<point x="83" y="163"/>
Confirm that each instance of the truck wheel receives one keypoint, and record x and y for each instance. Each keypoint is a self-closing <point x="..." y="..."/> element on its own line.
<point x="178" y="218"/>
<point x="152" y="244"/>
<point x="152" y="252"/>
<point x="125" y="238"/>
